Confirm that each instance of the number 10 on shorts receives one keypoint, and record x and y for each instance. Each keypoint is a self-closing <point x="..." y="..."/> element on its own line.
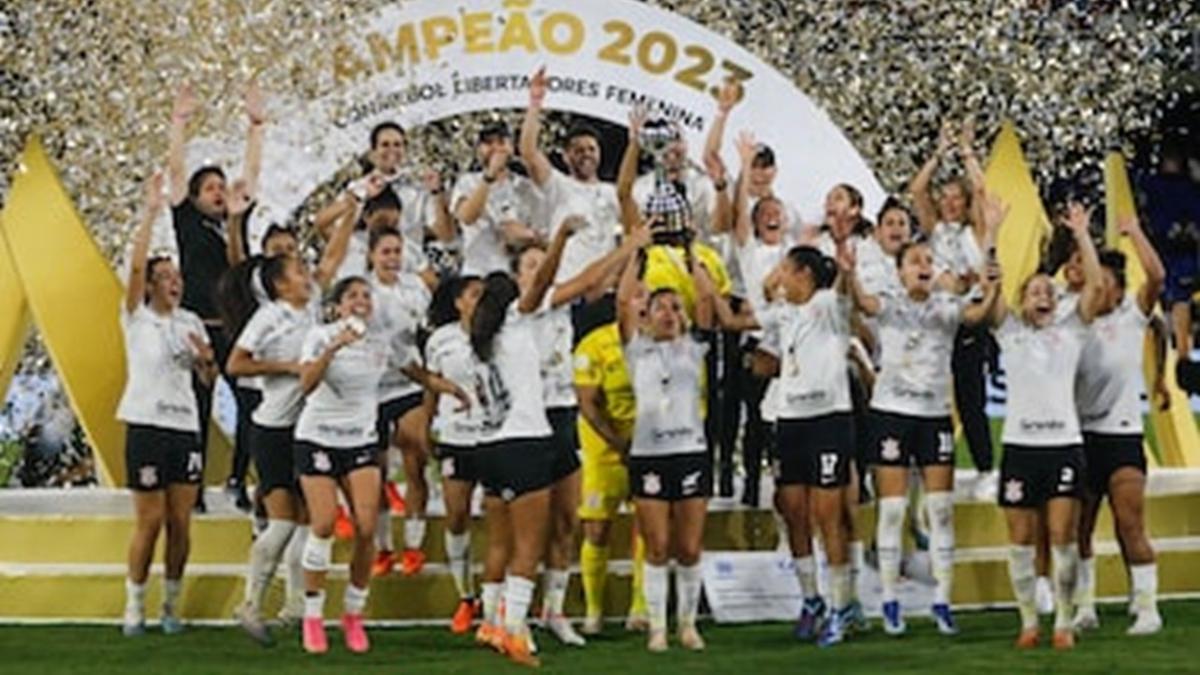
<point x="829" y="462"/>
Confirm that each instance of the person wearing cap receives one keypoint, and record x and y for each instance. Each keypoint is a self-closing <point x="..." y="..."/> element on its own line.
<point x="495" y="207"/>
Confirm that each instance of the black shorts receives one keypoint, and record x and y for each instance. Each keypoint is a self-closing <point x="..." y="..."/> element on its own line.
<point x="390" y="413"/>
<point x="458" y="462"/>
<point x="565" y="440"/>
<point x="671" y="478"/>
<point x="1031" y="476"/>
<point x="1105" y="453"/>
<point x="156" y="457"/>
<point x="816" y="451"/>
<point x="904" y="440"/>
<point x="274" y="457"/>
<point x="317" y="460"/>
<point x="511" y="468"/>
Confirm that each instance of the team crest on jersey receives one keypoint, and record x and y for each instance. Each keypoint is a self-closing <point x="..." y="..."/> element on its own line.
<point x="508" y="494"/>
<point x="889" y="449"/>
<point x="690" y="483"/>
<point x="321" y="461"/>
<point x="148" y="476"/>
<point x="448" y="467"/>
<point x="1014" y="491"/>
<point x="651" y="484"/>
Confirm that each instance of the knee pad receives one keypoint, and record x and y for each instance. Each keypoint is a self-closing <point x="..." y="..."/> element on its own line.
<point x="318" y="552"/>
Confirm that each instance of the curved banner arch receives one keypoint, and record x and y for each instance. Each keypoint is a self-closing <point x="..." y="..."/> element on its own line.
<point x="425" y="60"/>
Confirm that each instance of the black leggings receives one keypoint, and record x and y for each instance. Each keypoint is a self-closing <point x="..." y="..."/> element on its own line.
<point x="974" y="350"/>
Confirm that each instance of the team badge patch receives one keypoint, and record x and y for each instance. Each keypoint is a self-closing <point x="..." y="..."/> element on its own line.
<point x="321" y="461"/>
<point x="651" y="484"/>
<point x="1014" y="491"/>
<point x="448" y="467"/>
<point x="148" y="476"/>
<point x="889" y="450"/>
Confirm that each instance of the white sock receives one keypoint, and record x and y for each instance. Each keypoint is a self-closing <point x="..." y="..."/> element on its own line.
<point x="135" y="601"/>
<point x="383" y="531"/>
<point x="688" y="584"/>
<point x="888" y="534"/>
<point x="839" y="580"/>
<point x="939" y="507"/>
<point x="294" y="556"/>
<point x="518" y="594"/>
<point x="355" y="599"/>
<point x="554" y="589"/>
<point x="1063" y="559"/>
<point x="171" y="590"/>
<point x="654" y="585"/>
<point x="806" y="573"/>
<point x="458" y="557"/>
<point x="265" y="553"/>
<point x="414" y="533"/>
<point x="318" y="551"/>
<point x="491" y="592"/>
<point x="314" y="605"/>
<point x="1023" y="577"/>
<point x="1145" y="587"/>
<point x="1085" y="585"/>
<point x="857" y="560"/>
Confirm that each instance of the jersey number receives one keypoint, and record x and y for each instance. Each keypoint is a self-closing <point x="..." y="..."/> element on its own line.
<point x="829" y="462"/>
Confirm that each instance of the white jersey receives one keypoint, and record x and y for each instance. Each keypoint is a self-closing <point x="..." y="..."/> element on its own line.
<point x="412" y="259"/>
<point x="399" y="311"/>
<point x="827" y="245"/>
<point x="1110" y="383"/>
<point x="555" y="337"/>
<point x="158" y="366"/>
<point x="276" y="333"/>
<point x="448" y="353"/>
<point x="342" y="410"/>
<point x="512" y="198"/>
<point x="510" y="395"/>
<point x="597" y="203"/>
<point x="726" y="245"/>
<point x="876" y="270"/>
<point x="916" y="341"/>
<point x="955" y="249"/>
<point x="769" y="343"/>
<point x="667" y="379"/>
<point x="1040" y="367"/>
<point x="756" y="260"/>
<point x="814" y="340"/>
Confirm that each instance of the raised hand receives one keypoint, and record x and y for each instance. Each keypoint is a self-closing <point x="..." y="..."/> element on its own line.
<point x="747" y="147"/>
<point x="185" y="104"/>
<point x="1129" y="224"/>
<point x="966" y="138"/>
<point x="1078" y="218"/>
<point x="639" y="235"/>
<point x="637" y="120"/>
<point x="728" y="96"/>
<point x="538" y="86"/>
<point x="846" y="258"/>
<point x="431" y="180"/>
<point x="154" y="197"/>
<point x="237" y="197"/>
<point x="945" y="139"/>
<point x="256" y="106"/>
<point x="995" y="210"/>
<point x="714" y="166"/>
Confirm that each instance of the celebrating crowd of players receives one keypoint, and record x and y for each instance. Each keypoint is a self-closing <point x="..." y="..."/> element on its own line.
<point x="565" y="359"/>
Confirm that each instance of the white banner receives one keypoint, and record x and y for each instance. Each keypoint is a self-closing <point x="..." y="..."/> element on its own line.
<point x="746" y="586"/>
<point x="424" y="60"/>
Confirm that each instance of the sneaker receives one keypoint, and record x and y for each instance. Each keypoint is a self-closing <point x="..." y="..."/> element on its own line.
<point x="171" y="625"/>
<point x="1086" y="619"/>
<point x="292" y="611"/>
<point x="856" y="619"/>
<point x="689" y="638"/>
<point x="135" y="628"/>
<point x="893" y="619"/>
<point x="484" y="635"/>
<point x="592" y="625"/>
<point x="1064" y="639"/>
<point x="1044" y="596"/>
<point x="809" y="622"/>
<point x="1028" y="638"/>
<point x="943" y="618"/>
<point x="385" y="564"/>
<point x="355" y="633"/>
<point x="253" y="625"/>
<point x="1147" y="623"/>
<point x="343" y="527"/>
<point x="412" y="561"/>
<point x="986" y="487"/>
<point x="518" y="650"/>
<point x="464" y="615"/>
<point x="637" y="622"/>
<point x="834" y="630"/>
<point x="312" y="634"/>
<point x="395" y="500"/>
<point x="657" y="640"/>
<point x="562" y="629"/>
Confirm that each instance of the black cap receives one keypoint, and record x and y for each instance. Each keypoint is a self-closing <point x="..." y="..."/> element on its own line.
<point x="495" y="129"/>
<point x="764" y="156"/>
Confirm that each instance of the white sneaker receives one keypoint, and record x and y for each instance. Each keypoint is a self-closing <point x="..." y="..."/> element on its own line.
<point x="986" y="486"/>
<point x="1045" y="596"/>
<point x="592" y="625"/>
<point x="292" y="612"/>
<point x="1147" y="623"/>
<point x="690" y="638"/>
<point x="562" y="629"/>
<point x="636" y="623"/>
<point x="657" y="642"/>
<point x="1085" y="619"/>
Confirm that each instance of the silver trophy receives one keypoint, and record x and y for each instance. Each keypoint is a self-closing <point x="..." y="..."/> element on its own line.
<point x="667" y="207"/>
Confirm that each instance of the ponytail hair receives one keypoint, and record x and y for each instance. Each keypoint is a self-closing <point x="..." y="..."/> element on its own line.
<point x="499" y="291"/>
<point x="442" y="309"/>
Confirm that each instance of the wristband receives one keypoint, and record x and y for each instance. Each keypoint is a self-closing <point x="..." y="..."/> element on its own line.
<point x="488" y="178"/>
<point x="720" y="185"/>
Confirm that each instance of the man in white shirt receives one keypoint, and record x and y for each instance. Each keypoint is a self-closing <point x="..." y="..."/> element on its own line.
<point x="495" y="207"/>
<point x="581" y="193"/>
